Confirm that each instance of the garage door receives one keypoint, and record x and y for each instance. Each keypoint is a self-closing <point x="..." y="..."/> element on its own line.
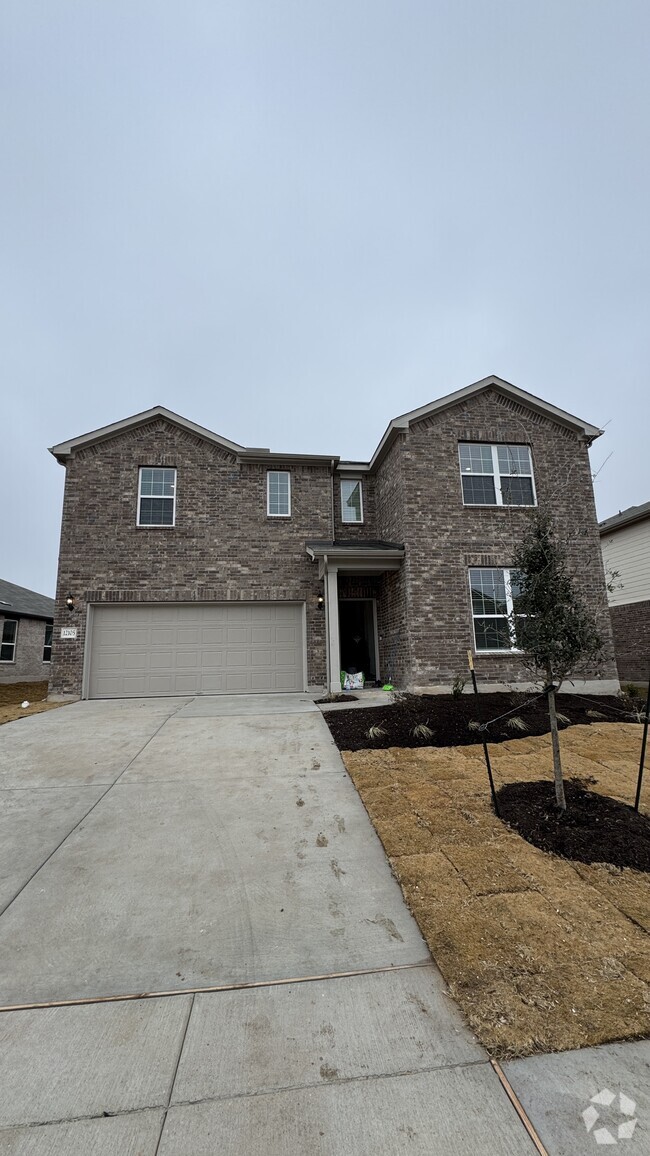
<point x="213" y="648"/>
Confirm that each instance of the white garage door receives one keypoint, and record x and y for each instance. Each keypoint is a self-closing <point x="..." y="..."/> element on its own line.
<point x="212" y="648"/>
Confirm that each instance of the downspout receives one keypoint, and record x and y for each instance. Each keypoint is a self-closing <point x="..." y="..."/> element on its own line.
<point x="333" y="464"/>
<point x="327" y="626"/>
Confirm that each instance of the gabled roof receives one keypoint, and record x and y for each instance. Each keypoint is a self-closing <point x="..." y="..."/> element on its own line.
<point x="625" y="518"/>
<point x="25" y="603"/>
<point x="252" y="453"/>
<point x="65" y="449"/>
<point x="497" y="383"/>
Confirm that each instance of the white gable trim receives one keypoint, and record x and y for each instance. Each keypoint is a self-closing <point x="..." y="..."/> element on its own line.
<point x="527" y="399"/>
<point x="65" y="449"/>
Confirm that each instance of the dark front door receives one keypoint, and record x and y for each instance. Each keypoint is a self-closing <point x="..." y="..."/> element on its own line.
<point x="357" y="630"/>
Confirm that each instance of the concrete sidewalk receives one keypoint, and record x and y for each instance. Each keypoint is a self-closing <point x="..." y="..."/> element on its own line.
<point x="171" y="845"/>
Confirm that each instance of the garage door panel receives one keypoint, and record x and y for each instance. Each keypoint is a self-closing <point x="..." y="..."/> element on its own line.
<point x="163" y="635"/>
<point x="285" y="634"/>
<point x="213" y="648"/>
<point x="136" y="660"/>
<point x="213" y="636"/>
<point x="161" y="659"/>
<point x="261" y="634"/>
<point x="159" y="684"/>
<point x="212" y="659"/>
<point x="188" y="635"/>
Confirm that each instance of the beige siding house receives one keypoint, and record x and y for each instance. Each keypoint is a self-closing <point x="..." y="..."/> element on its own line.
<point x="625" y="542"/>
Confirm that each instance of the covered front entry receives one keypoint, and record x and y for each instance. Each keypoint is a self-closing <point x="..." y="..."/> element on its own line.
<point x="141" y="650"/>
<point x="358" y="637"/>
<point x="360" y="559"/>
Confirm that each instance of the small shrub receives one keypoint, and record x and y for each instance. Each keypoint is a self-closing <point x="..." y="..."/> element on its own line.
<point x="422" y="731"/>
<point x="405" y="698"/>
<point x="595" y="714"/>
<point x="474" y="725"/>
<point x="457" y="686"/>
<point x="376" y="732"/>
<point x="636" y="694"/>
<point x="517" y="724"/>
<point x="562" y="718"/>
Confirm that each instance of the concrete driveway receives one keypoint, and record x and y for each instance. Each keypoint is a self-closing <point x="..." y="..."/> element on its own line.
<point x="165" y="847"/>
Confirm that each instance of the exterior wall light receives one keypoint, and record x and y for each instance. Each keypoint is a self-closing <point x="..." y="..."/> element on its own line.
<point x="70" y="603"/>
<point x="321" y="601"/>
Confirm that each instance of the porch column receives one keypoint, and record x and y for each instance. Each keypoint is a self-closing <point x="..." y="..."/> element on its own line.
<point x="333" y="642"/>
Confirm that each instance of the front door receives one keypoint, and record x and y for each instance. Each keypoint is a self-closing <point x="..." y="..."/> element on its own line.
<point x="357" y="636"/>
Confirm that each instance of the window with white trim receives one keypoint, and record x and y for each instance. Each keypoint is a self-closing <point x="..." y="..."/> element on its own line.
<point x="494" y="594"/>
<point x="496" y="475"/>
<point x="278" y="493"/>
<point x="156" y="496"/>
<point x="8" y="644"/>
<point x="351" y="500"/>
<point x="47" y="644"/>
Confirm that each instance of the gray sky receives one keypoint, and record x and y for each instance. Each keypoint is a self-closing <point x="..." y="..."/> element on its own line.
<point x="291" y="220"/>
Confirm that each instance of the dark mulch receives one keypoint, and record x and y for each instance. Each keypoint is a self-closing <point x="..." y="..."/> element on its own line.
<point x="19" y="691"/>
<point x="449" y="719"/>
<point x="336" y="698"/>
<point x="593" y="829"/>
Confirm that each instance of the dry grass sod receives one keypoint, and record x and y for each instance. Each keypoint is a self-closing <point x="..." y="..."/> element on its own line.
<point x="12" y="694"/>
<point x="541" y="954"/>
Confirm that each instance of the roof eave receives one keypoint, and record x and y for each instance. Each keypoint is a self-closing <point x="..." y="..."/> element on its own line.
<point x="604" y="529"/>
<point x="537" y="404"/>
<point x="64" y="450"/>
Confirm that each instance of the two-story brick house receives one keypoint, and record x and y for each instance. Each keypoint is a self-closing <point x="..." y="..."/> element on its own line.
<point x="193" y="565"/>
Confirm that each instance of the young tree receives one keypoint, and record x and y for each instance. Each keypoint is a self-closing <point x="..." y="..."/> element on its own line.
<point x="550" y="621"/>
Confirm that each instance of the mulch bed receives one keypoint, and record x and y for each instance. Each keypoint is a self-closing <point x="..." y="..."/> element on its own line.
<point x="21" y="691"/>
<point x="593" y="829"/>
<point x="336" y="698"/>
<point x="449" y="719"/>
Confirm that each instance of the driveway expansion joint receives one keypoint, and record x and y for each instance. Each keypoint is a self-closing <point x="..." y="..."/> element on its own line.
<point x="339" y="1080"/>
<point x="245" y="986"/>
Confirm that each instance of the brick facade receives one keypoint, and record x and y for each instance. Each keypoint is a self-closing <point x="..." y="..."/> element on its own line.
<point x="28" y="665"/>
<point x="224" y="547"/>
<point x="443" y="538"/>
<point x="631" y="628"/>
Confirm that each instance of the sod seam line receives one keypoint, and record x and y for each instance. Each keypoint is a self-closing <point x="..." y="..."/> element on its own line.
<point x="519" y="1108"/>
<point x="100" y="999"/>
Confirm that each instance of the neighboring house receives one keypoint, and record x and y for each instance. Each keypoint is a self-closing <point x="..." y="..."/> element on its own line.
<point x="193" y="565"/>
<point x="25" y="634"/>
<point x="625" y="541"/>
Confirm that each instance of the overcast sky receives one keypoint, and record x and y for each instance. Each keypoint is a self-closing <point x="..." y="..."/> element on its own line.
<point x="292" y="220"/>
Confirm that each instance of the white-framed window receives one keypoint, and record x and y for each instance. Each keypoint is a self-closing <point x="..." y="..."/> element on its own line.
<point x="496" y="475"/>
<point x="494" y="595"/>
<point x="8" y="644"/>
<point x="47" y="643"/>
<point x="278" y="493"/>
<point x="156" y="496"/>
<point x="351" y="500"/>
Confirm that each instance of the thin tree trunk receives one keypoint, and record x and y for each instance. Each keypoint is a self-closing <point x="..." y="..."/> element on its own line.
<point x="555" y="740"/>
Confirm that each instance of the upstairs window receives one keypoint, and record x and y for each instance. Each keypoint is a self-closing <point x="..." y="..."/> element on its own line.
<point x="278" y="494"/>
<point x="157" y="497"/>
<point x="494" y="598"/>
<point x="8" y="644"/>
<point x="351" y="500"/>
<point x="496" y="475"/>
<point x="47" y="645"/>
